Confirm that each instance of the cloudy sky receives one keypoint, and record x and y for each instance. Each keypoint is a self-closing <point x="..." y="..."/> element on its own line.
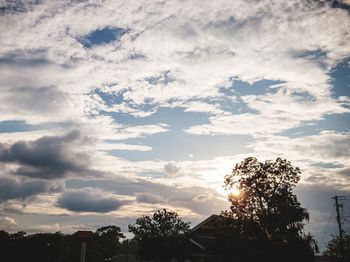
<point x="110" y="110"/>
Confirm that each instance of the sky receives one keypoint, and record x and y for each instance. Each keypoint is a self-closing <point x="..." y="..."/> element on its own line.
<point x="110" y="110"/>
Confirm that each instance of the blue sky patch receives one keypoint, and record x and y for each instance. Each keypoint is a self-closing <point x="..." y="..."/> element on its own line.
<point x="178" y="145"/>
<point x="22" y="126"/>
<point x="15" y="126"/>
<point x="341" y="78"/>
<point x="176" y="118"/>
<point x="102" y="36"/>
<point x="243" y="88"/>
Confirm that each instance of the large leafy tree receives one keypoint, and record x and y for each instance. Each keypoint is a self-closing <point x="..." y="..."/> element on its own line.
<point x="266" y="214"/>
<point x="162" y="236"/>
<point x="105" y="243"/>
<point x="266" y="197"/>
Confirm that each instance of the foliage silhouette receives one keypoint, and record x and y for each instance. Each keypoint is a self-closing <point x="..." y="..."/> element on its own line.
<point x="105" y="243"/>
<point x="58" y="247"/>
<point x="162" y="236"/>
<point x="333" y="250"/>
<point x="267" y="216"/>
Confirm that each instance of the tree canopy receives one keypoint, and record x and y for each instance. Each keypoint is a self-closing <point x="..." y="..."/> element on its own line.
<point x="337" y="251"/>
<point x="105" y="243"/>
<point x="162" y="236"/>
<point x="267" y="211"/>
<point x="266" y="196"/>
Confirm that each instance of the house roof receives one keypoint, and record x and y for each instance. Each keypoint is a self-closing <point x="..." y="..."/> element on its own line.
<point x="202" y="234"/>
<point x="205" y="221"/>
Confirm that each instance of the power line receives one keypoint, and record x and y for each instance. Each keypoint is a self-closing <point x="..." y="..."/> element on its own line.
<point x="329" y="220"/>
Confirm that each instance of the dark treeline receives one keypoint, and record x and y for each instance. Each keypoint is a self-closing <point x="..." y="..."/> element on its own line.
<point x="58" y="247"/>
<point x="108" y="242"/>
<point x="151" y="244"/>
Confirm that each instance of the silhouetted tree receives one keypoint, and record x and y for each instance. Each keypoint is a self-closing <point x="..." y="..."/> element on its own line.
<point x="18" y="235"/>
<point x="130" y="246"/>
<point x="266" y="196"/>
<point x="162" y="236"/>
<point x="45" y="247"/>
<point x="266" y="201"/>
<point x="334" y="251"/>
<point x="105" y="243"/>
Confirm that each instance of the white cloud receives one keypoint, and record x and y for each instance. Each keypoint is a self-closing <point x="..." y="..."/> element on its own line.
<point x="276" y="112"/>
<point x="326" y="147"/>
<point x="175" y="55"/>
<point x="256" y="41"/>
<point x="323" y="158"/>
<point x="8" y="223"/>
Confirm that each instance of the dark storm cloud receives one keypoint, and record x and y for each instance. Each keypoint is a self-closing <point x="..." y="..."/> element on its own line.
<point x="13" y="189"/>
<point x="88" y="201"/>
<point x="48" y="157"/>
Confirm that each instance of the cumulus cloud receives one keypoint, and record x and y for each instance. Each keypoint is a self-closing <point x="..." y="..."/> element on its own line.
<point x="47" y="157"/>
<point x="11" y="188"/>
<point x="88" y="201"/>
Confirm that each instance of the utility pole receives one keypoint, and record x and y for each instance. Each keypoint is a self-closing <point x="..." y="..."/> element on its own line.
<point x="82" y="251"/>
<point x="84" y="236"/>
<point x="337" y="205"/>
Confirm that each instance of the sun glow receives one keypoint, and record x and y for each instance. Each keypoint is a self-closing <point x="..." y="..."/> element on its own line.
<point x="235" y="192"/>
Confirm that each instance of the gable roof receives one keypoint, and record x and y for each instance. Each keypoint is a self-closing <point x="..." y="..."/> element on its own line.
<point x="205" y="221"/>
